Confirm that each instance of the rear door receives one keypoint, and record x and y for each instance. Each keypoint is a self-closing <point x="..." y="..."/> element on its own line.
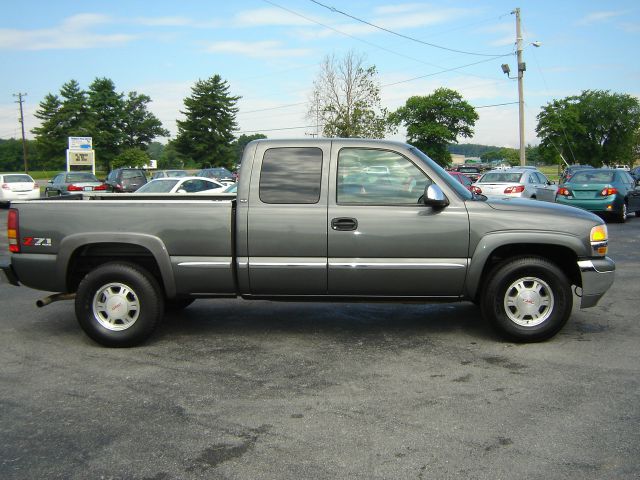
<point x="287" y="219"/>
<point x="383" y="241"/>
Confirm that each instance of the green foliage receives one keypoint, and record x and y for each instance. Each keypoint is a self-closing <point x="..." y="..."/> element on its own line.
<point x="435" y="121"/>
<point x="171" y="158"/>
<point x="140" y="126"/>
<point x="470" y="149"/>
<point x="206" y="133"/>
<point x="597" y="127"/>
<point x="242" y="141"/>
<point x="130" y="157"/>
<point x="114" y="122"/>
<point x="508" y="155"/>
<point x="346" y="99"/>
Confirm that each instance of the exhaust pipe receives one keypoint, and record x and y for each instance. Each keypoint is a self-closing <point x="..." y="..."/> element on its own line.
<point x="56" y="297"/>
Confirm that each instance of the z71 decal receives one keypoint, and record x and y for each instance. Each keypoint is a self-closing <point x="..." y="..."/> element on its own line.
<point x="36" y="242"/>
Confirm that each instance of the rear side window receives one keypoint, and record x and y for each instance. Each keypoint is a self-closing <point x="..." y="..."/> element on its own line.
<point x="291" y="175"/>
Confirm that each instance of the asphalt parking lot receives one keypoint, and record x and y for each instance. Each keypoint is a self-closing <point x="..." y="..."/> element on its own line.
<point x="258" y="390"/>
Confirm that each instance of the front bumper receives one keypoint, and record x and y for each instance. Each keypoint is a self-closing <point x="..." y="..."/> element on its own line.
<point x="10" y="275"/>
<point x="597" y="277"/>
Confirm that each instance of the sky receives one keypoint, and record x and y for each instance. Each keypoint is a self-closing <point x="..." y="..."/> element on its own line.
<point x="270" y="51"/>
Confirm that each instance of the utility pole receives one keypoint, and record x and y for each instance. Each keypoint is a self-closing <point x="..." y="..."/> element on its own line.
<point x="521" y="69"/>
<point x="24" y="140"/>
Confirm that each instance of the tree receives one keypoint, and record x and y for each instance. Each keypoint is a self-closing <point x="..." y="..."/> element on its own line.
<point x="597" y="127"/>
<point x="106" y="110"/>
<point x="241" y="142"/>
<point x="139" y="126"/>
<point x="346" y="99"/>
<point x="130" y="157"/>
<point x="206" y="133"/>
<point x="50" y="135"/>
<point x="435" y="121"/>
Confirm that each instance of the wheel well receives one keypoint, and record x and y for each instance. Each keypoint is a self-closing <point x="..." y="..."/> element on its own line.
<point x="565" y="258"/>
<point x="88" y="257"/>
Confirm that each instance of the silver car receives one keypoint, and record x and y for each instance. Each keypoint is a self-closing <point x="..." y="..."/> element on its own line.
<point x="522" y="182"/>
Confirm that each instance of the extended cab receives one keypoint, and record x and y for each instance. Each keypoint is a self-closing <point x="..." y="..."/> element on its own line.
<point x="332" y="219"/>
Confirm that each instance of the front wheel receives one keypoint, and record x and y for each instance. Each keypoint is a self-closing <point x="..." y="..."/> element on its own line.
<point x="528" y="299"/>
<point x="119" y="304"/>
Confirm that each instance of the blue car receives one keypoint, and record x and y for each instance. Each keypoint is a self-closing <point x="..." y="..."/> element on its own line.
<point x="604" y="191"/>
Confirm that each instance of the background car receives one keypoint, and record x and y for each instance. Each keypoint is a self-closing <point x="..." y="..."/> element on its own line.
<point x="125" y="180"/>
<point x="66" y="183"/>
<point x="570" y="170"/>
<point x="602" y="190"/>
<point x="17" y="186"/>
<point x="182" y="185"/>
<point x="463" y="179"/>
<point x="635" y="173"/>
<point x="169" y="173"/>
<point x="219" y="174"/>
<point x="472" y="171"/>
<point x="516" y="182"/>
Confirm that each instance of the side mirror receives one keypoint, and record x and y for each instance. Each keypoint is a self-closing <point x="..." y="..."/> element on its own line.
<point x="434" y="196"/>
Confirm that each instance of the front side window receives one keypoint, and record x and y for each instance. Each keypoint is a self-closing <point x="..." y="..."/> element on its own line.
<point x="291" y="175"/>
<point x="377" y="177"/>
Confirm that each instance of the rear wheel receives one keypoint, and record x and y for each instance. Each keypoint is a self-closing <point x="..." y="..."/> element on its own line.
<point x="622" y="215"/>
<point x="527" y="299"/>
<point x="119" y="304"/>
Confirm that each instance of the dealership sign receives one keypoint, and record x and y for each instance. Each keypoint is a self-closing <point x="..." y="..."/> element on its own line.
<point x="81" y="154"/>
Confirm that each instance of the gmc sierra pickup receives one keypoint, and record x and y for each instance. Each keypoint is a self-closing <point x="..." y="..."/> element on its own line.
<point x="332" y="219"/>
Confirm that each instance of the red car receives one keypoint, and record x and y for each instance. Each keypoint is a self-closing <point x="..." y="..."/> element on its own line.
<point x="462" y="178"/>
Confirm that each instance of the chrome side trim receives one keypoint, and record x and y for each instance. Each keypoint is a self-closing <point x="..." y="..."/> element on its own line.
<point x="224" y="264"/>
<point x="409" y="265"/>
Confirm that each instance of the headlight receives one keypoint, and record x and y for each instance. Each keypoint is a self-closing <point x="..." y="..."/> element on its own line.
<point x="599" y="238"/>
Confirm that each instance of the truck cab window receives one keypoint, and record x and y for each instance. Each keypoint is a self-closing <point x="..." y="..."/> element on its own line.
<point x="291" y="175"/>
<point x="377" y="177"/>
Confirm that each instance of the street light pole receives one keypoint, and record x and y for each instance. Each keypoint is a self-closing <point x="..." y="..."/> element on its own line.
<point x="521" y="69"/>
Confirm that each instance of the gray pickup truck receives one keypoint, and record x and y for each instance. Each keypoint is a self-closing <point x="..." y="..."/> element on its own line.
<point x="332" y="220"/>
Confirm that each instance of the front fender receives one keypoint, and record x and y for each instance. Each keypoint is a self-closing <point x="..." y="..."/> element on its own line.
<point x="522" y="242"/>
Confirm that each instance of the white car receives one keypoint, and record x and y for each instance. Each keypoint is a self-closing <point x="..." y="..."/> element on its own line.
<point x="193" y="185"/>
<point x="17" y="186"/>
<point x="523" y="182"/>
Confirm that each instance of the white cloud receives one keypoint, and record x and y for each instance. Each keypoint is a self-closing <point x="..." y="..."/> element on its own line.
<point x="73" y="33"/>
<point x="262" y="49"/>
<point x="268" y="17"/>
<point x="599" y="17"/>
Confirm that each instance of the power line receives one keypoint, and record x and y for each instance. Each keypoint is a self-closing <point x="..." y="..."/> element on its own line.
<point x="333" y="9"/>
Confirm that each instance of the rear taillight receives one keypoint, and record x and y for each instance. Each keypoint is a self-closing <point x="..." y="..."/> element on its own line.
<point x="74" y="188"/>
<point x="36" y="186"/>
<point x="476" y="190"/>
<point x="514" y="189"/>
<point x="608" y="191"/>
<point x="101" y="187"/>
<point x="13" y="233"/>
<point x="564" y="191"/>
<point x="5" y="186"/>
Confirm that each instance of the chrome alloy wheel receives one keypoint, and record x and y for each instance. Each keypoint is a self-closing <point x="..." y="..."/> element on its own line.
<point x="528" y="301"/>
<point x="116" y="306"/>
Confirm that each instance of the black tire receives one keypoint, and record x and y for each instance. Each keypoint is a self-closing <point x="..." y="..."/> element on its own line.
<point x="119" y="304"/>
<point x="177" y="304"/>
<point x="621" y="217"/>
<point x="527" y="299"/>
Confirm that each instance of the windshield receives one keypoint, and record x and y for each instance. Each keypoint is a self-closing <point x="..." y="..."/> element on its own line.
<point x="501" y="177"/>
<point x="157" y="186"/>
<point x="444" y="175"/>
<point x="81" y="177"/>
<point x="591" y="176"/>
<point x="17" y="179"/>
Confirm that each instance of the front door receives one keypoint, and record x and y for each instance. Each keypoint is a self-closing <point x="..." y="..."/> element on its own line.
<point x="382" y="239"/>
